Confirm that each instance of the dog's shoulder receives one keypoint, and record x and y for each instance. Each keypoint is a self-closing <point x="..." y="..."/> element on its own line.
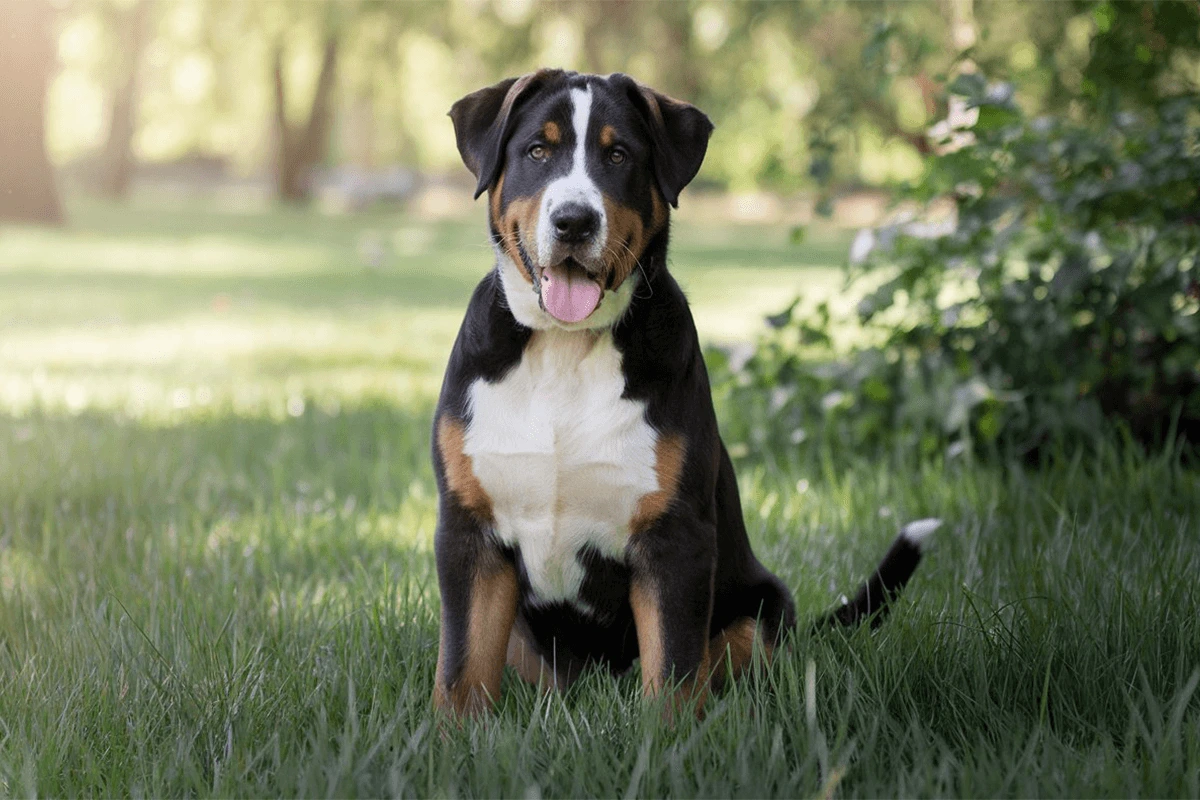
<point x="490" y="342"/>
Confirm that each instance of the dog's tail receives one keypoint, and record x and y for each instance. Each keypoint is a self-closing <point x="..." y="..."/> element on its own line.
<point x="875" y="596"/>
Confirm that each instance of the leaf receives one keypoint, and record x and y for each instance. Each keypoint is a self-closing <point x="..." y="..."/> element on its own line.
<point x="781" y="319"/>
<point x="876" y="390"/>
<point x="970" y="85"/>
<point x="993" y="117"/>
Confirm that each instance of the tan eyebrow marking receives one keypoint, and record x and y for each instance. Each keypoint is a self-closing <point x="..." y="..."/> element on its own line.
<point x="608" y="135"/>
<point x="552" y="133"/>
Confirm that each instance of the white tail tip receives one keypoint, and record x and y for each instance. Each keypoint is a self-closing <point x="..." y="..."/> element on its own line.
<point x="919" y="530"/>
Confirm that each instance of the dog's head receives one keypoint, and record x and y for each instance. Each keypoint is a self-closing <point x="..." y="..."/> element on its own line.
<point x="579" y="171"/>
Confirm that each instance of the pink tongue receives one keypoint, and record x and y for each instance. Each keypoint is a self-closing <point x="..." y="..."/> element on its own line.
<point x="568" y="294"/>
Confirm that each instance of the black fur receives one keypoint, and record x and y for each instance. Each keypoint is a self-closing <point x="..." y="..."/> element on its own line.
<point x="482" y="123"/>
<point x="678" y="135"/>
<point x="874" y="597"/>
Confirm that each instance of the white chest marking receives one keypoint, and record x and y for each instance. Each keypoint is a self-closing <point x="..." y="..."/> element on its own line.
<point x="563" y="457"/>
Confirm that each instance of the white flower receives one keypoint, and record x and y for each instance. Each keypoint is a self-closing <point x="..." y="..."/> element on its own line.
<point x="864" y="243"/>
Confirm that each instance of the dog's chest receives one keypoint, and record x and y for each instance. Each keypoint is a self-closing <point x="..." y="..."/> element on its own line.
<point x="562" y="456"/>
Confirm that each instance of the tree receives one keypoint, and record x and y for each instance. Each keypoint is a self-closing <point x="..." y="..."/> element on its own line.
<point x="27" y="57"/>
<point x="302" y="147"/>
<point x="129" y="24"/>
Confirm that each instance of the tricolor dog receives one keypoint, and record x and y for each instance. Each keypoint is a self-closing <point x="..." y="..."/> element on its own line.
<point x="588" y="511"/>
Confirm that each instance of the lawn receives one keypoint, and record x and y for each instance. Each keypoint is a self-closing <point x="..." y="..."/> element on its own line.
<point x="216" y="578"/>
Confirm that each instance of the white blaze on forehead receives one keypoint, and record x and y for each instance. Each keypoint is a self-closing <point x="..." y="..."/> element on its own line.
<point x="581" y="102"/>
<point x="574" y="187"/>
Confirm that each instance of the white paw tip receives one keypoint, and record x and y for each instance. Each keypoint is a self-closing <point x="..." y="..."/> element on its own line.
<point x="919" y="530"/>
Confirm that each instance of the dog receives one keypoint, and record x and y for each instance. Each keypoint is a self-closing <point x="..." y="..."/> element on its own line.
<point x="588" y="510"/>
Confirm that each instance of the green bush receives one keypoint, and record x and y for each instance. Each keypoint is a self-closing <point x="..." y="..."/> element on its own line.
<point x="1060" y="298"/>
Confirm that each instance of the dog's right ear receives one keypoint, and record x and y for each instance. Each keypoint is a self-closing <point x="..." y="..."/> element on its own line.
<point x="483" y="122"/>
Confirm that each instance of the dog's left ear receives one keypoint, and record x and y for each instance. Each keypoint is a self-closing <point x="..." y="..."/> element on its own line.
<point x="482" y="123"/>
<point x="679" y="134"/>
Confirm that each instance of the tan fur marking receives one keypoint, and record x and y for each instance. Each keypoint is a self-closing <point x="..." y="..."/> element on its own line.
<point x="669" y="454"/>
<point x="530" y="666"/>
<point x="628" y="236"/>
<point x="459" y="473"/>
<point x="608" y="135"/>
<point x="494" y="196"/>
<point x="509" y="234"/>
<point x="647" y="618"/>
<point x="649" y="636"/>
<point x="552" y="133"/>
<point x="517" y="222"/>
<point x="658" y="212"/>
<point x="733" y="651"/>
<point x="625" y="242"/>
<point x="493" y="610"/>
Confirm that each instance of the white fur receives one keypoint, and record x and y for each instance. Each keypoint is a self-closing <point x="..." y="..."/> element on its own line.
<point x="574" y="187"/>
<point x="918" y="531"/>
<point x="563" y="457"/>
<point x="525" y="306"/>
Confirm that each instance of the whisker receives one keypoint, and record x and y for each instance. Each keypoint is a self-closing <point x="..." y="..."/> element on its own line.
<point x="638" y="262"/>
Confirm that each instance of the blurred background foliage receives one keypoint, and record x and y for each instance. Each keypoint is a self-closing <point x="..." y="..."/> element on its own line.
<point x="803" y="94"/>
<point x="1057" y="292"/>
<point x="1033" y="169"/>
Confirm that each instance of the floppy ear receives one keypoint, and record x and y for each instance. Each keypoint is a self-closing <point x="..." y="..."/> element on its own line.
<point x="482" y="124"/>
<point x="679" y="135"/>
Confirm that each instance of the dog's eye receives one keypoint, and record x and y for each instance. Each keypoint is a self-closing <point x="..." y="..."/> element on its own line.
<point x="616" y="156"/>
<point x="539" y="152"/>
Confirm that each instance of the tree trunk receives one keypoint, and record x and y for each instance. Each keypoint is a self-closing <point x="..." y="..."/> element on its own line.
<point x="300" y="148"/>
<point x="678" y="75"/>
<point x="118" y="162"/>
<point x="27" y="57"/>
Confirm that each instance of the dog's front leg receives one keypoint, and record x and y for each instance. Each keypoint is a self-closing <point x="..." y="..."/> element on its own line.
<point x="479" y="603"/>
<point x="671" y="595"/>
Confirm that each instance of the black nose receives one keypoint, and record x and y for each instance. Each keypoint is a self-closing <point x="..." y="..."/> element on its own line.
<point x="574" y="223"/>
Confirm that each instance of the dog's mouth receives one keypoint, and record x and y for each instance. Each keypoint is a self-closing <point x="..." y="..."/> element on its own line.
<point x="568" y="292"/>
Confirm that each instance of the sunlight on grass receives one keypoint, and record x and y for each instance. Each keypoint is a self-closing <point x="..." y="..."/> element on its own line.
<point x="208" y="254"/>
<point x="21" y="577"/>
<point x="244" y="364"/>
<point x="170" y="309"/>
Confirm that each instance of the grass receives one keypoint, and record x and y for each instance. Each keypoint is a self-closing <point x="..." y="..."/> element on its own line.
<point x="216" y="579"/>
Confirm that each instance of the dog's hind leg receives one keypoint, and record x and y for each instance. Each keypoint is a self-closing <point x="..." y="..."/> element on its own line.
<point x="753" y="636"/>
<point x="734" y="650"/>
